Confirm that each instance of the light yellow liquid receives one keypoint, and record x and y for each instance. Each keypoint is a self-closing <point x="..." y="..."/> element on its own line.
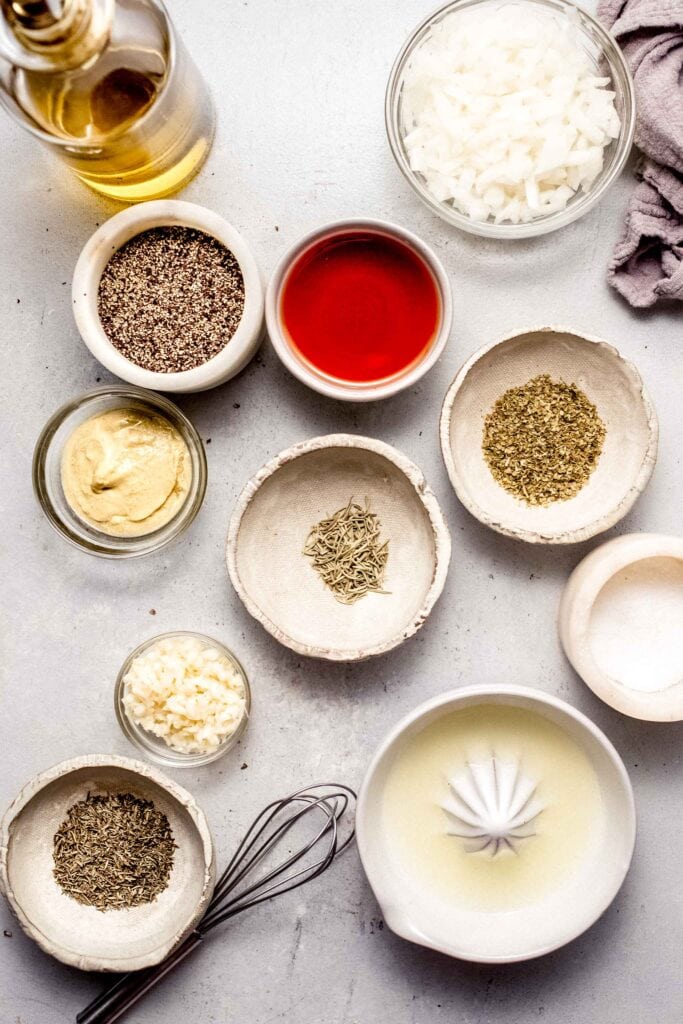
<point x="437" y="864"/>
<point x="137" y="118"/>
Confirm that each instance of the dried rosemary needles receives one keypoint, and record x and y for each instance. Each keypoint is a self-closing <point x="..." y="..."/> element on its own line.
<point x="113" y="851"/>
<point x="347" y="552"/>
<point x="542" y="441"/>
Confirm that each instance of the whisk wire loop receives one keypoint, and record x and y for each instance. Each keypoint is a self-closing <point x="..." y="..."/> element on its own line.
<point x="252" y="851"/>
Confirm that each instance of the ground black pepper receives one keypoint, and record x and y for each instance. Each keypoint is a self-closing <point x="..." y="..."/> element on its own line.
<point x="171" y="298"/>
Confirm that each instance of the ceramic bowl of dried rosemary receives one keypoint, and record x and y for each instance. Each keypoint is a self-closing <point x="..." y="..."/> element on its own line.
<point x="548" y="435"/>
<point x="106" y="863"/>
<point x="339" y="548"/>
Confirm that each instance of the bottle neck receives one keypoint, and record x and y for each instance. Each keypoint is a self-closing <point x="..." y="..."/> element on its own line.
<point x="32" y="14"/>
<point x="56" y="35"/>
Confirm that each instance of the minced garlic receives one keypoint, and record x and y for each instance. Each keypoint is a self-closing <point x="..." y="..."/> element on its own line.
<point x="188" y="694"/>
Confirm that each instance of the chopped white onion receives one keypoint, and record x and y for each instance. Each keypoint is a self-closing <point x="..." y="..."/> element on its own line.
<point x="506" y="117"/>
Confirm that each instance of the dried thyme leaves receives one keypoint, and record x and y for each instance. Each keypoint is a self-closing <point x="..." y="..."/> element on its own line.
<point x="113" y="851"/>
<point x="347" y="552"/>
<point x="542" y="441"/>
<point x="171" y="298"/>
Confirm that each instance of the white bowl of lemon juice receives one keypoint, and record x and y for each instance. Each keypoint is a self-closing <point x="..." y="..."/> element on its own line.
<point x="495" y="824"/>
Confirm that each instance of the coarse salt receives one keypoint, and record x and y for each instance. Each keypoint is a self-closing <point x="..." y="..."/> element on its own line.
<point x="186" y="693"/>
<point x="505" y="117"/>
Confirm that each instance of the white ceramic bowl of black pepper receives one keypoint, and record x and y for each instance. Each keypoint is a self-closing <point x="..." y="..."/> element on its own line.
<point x="138" y="345"/>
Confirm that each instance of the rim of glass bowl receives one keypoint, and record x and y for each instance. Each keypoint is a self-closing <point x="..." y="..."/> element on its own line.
<point x="65" y="521"/>
<point x="622" y="84"/>
<point x="155" y="748"/>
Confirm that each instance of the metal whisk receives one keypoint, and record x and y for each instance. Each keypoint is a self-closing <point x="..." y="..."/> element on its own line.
<point x="242" y="886"/>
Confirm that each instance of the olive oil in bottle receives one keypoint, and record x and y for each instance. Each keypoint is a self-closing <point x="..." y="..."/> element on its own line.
<point x="109" y="86"/>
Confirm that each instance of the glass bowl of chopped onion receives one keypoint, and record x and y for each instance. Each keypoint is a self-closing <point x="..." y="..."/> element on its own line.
<point x="510" y="118"/>
<point x="183" y="699"/>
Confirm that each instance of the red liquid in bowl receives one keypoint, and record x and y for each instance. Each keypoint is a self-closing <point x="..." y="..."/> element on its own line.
<point x="360" y="306"/>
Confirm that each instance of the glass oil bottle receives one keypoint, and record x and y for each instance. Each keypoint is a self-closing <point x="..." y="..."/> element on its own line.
<point x="109" y="86"/>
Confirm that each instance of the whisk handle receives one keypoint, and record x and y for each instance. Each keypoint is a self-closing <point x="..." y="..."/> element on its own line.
<point x="116" y="1000"/>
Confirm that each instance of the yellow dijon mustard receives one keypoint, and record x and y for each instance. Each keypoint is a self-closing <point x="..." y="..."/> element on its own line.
<point x="126" y="472"/>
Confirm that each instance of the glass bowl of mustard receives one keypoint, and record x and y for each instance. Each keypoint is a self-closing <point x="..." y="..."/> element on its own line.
<point x="119" y="472"/>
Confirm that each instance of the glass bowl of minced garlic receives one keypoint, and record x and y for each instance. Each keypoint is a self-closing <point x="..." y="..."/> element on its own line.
<point x="183" y="699"/>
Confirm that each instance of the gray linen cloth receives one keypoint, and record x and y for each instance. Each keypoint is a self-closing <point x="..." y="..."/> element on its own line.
<point x="647" y="263"/>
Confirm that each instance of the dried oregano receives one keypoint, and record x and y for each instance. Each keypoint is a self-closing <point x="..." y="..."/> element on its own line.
<point x="347" y="552"/>
<point x="542" y="441"/>
<point x="113" y="851"/>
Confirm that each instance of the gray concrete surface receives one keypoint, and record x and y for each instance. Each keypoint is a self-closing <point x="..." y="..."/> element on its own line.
<point x="299" y="86"/>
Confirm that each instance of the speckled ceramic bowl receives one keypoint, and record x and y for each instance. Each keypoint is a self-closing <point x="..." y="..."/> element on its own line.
<point x="278" y="584"/>
<point x="609" y="381"/>
<point x="82" y="936"/>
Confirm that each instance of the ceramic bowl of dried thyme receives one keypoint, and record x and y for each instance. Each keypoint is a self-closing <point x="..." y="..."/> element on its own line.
<point x="548" y="435"/>
<point x="339" y="548"/>
<point x="106" y="863"/>
<point x="168" y="296"/>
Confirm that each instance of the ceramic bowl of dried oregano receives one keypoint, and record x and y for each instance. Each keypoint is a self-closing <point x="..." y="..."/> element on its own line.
<point x="339" y="548"/>
<point x="106" y="863"/>
<point x="548" y="435"/>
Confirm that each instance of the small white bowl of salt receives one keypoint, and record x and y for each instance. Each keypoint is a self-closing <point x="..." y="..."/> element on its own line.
<point x="621" y="625"/>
